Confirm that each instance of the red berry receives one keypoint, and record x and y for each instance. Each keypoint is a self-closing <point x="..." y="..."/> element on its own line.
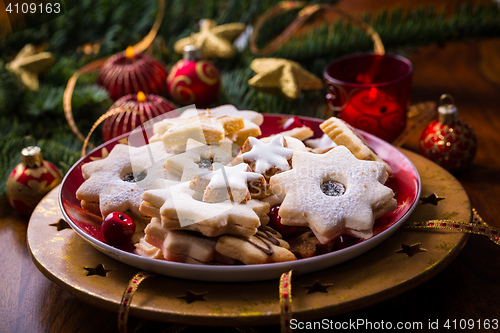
<point x="275" y="222"/>
<point x="344" y="241"/>
<point x="294" y="122"/>
<point x="118" y="229"/>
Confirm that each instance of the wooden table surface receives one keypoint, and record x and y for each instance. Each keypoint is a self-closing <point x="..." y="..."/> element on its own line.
<point x="468" y="289"/>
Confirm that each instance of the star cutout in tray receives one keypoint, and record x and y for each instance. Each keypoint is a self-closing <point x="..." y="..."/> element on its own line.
<point x="411" y="250"/>
<point x="98" y="270"/>
<point x="192" y="296"/>
<point x="318" y="287"/>
<point x="60" y="225"/>
<point x="430" y="199"/>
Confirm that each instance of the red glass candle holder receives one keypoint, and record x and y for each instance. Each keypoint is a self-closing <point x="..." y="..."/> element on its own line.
<point x="370" y="92"/>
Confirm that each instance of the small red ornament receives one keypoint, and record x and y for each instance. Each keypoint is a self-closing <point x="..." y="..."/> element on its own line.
<point x="139" y="108"/>
<point x="449" y="141"/>
<point x="128" y="73"/>
<point x="117" y="229"/>
<point x="31" y="180"/>
<point x="193" y="80"/>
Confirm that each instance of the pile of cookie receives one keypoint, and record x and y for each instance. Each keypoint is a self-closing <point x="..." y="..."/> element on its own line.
<point x="202" y="189"/>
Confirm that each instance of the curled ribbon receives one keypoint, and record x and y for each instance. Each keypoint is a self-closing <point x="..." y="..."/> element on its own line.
<point x="96" y="65"/>
<point x="108" y="114"/>
<point x="479" y="228"/>
<point x="302" y="17"/>
<point x="127" y="299"/>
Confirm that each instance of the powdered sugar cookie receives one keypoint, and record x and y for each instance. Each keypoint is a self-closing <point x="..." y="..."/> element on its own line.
<point x="178" y="208"/>
<point x="116" y="182"/>
<point x="332" y="193"/>
<point x="198" y="158"/>
<point x="234" y="183"/>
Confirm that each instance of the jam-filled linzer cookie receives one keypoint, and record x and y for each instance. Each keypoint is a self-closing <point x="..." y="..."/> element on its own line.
<point x="115" y="183"/>
<point x="333" y="193"/>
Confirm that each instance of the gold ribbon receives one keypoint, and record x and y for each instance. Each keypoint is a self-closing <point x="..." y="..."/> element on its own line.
<point x="108" y="114"/>
<point x="96" y="65"/>
<point x="285" y="290"/>
<point x="478" y="228"/>
<point x="127" y="299"/>
<point x="302" y="17"/>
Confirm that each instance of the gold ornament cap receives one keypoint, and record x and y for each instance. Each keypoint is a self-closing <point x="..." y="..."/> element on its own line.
<point x="32" y="157"/>
<point x="447" y="111"/>
<point x="191" y="53"/>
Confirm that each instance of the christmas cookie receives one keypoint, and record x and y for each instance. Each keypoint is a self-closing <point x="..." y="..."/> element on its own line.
<point x="333" y="193"/>
<point x="205" y="127"/>
<point x="268" y="158"/>
<point x="144" y="249"/>
<point x="321" y="145"/>
<point x="251" y="121"/>
<point x="266" y="246"/>
<point x="180" y="246"/>
<point x="198" y="157"/>
<point x="116" y="183"/>
<point x="235" y="183"/>
<point x="178" y="208"/>
<point x="344" y="135"/>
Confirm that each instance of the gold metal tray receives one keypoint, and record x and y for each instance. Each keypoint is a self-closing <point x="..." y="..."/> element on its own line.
<point x="407" y="259"/>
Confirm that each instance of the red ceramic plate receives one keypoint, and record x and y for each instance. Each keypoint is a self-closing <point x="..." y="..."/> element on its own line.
<point x="404" y="181"/>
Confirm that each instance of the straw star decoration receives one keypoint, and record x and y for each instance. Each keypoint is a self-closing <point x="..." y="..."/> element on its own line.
<point x="212" y="40"/>
<point x="28" y="64"/>
<point x="282" y="75"/>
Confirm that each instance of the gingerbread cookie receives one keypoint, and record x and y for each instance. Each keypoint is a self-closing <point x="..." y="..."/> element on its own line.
<point x="269" y="158"/>
<point x="332" y="193"/>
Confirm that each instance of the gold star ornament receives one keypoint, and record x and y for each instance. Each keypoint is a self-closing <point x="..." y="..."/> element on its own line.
<point x="282" y="75"/>
<point x="28" y="64"/>
<point x="213" y="41"/>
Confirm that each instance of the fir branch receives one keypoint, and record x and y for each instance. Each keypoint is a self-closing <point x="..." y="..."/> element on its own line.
<point x="421" y="26"/>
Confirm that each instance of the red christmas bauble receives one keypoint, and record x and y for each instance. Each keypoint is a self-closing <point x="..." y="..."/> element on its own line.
<point x="31" y="180"/>
<point x="138" y="108"/>
<point x="128" y="73"/>
<point x="449" y="141"/>
<point x="193" y="80"/>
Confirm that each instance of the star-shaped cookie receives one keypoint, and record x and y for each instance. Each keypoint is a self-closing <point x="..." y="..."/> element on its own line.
<point x="116" y="182"/>
<point x="286" y="76"/>
<point x="177" y="204"/>
<point x="333" y="193"/>
<point x="212" y="40"/>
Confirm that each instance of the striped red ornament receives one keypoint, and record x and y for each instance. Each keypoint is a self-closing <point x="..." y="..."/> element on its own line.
<point x="128" y="73"/>
<point x="139" y="108"/>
